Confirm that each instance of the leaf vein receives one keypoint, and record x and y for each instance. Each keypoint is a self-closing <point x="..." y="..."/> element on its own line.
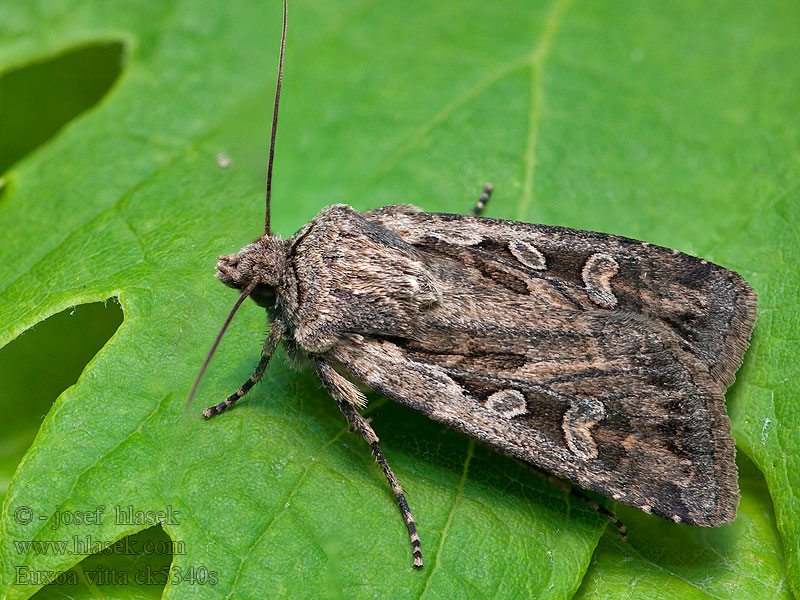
<point x="450" y="515"/>
<point x="537" y="60"/>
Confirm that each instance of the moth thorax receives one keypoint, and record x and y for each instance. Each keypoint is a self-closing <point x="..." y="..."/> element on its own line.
<point x="265" y="259"/>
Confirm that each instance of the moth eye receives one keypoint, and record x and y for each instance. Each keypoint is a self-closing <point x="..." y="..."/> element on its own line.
<point x="597" y="273"/>
<point x="264" y="295"/>
<point x="527" y="254"/>
<point x="507" y="403"/>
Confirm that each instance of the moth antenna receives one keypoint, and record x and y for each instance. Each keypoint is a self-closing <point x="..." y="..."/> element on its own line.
<point x="275" y="120"/>
<point x="247" y="291"/>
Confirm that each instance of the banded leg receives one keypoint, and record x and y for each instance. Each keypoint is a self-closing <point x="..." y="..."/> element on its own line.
<point x="487" y="191"/>
<point x="270" y="345"/>
<point x="343" y="391"/>
<point x="622" y="530"/>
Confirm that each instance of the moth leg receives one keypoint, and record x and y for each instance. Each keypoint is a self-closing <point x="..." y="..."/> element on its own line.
<point x="343" y="391"/>
<point x="361" y="426"/>
<point x="487" y="191"/>
<point x="622" y="530"/>
<point x="270" y="345"/>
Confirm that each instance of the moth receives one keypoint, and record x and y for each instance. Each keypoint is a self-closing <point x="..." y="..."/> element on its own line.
<point x="601" y="359"/>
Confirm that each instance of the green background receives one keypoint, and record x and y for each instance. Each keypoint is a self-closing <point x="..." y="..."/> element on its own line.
<point x="676" y="123"/>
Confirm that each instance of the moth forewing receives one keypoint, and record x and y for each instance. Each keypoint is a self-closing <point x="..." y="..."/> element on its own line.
<point x="494" y="329"/>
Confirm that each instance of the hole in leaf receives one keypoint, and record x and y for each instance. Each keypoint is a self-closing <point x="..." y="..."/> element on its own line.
<point x="137" y="566"/>
<point x="40" y="98"/>
<point x="40" y="364"/>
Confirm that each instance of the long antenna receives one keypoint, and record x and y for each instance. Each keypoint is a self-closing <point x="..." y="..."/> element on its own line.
<point x="247" y="291"/>
<point x="256" y="280"/>
<point x="275" y="121"/>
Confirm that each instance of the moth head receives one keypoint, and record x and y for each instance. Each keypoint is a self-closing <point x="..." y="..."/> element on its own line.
<point x="265" y="260"/>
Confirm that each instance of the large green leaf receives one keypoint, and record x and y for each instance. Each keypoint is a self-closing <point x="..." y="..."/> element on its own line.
<point x="670" y="122"/>
<point x="74" y="336"/>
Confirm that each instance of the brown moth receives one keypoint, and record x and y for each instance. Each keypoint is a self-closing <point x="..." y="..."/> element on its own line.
<point x="599" y="358"/>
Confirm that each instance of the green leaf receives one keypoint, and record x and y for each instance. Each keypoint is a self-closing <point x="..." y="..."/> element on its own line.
<point x="670" y="122"/>
<point x="75" y="336"/>
<point x="74" y="80"/>
<point x="665" y="561"/>
<point x="135" y="567"/>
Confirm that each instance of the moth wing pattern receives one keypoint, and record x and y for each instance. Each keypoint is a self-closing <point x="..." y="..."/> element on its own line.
<point x="599" y="358"/>
<point x="712" y="309"/>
